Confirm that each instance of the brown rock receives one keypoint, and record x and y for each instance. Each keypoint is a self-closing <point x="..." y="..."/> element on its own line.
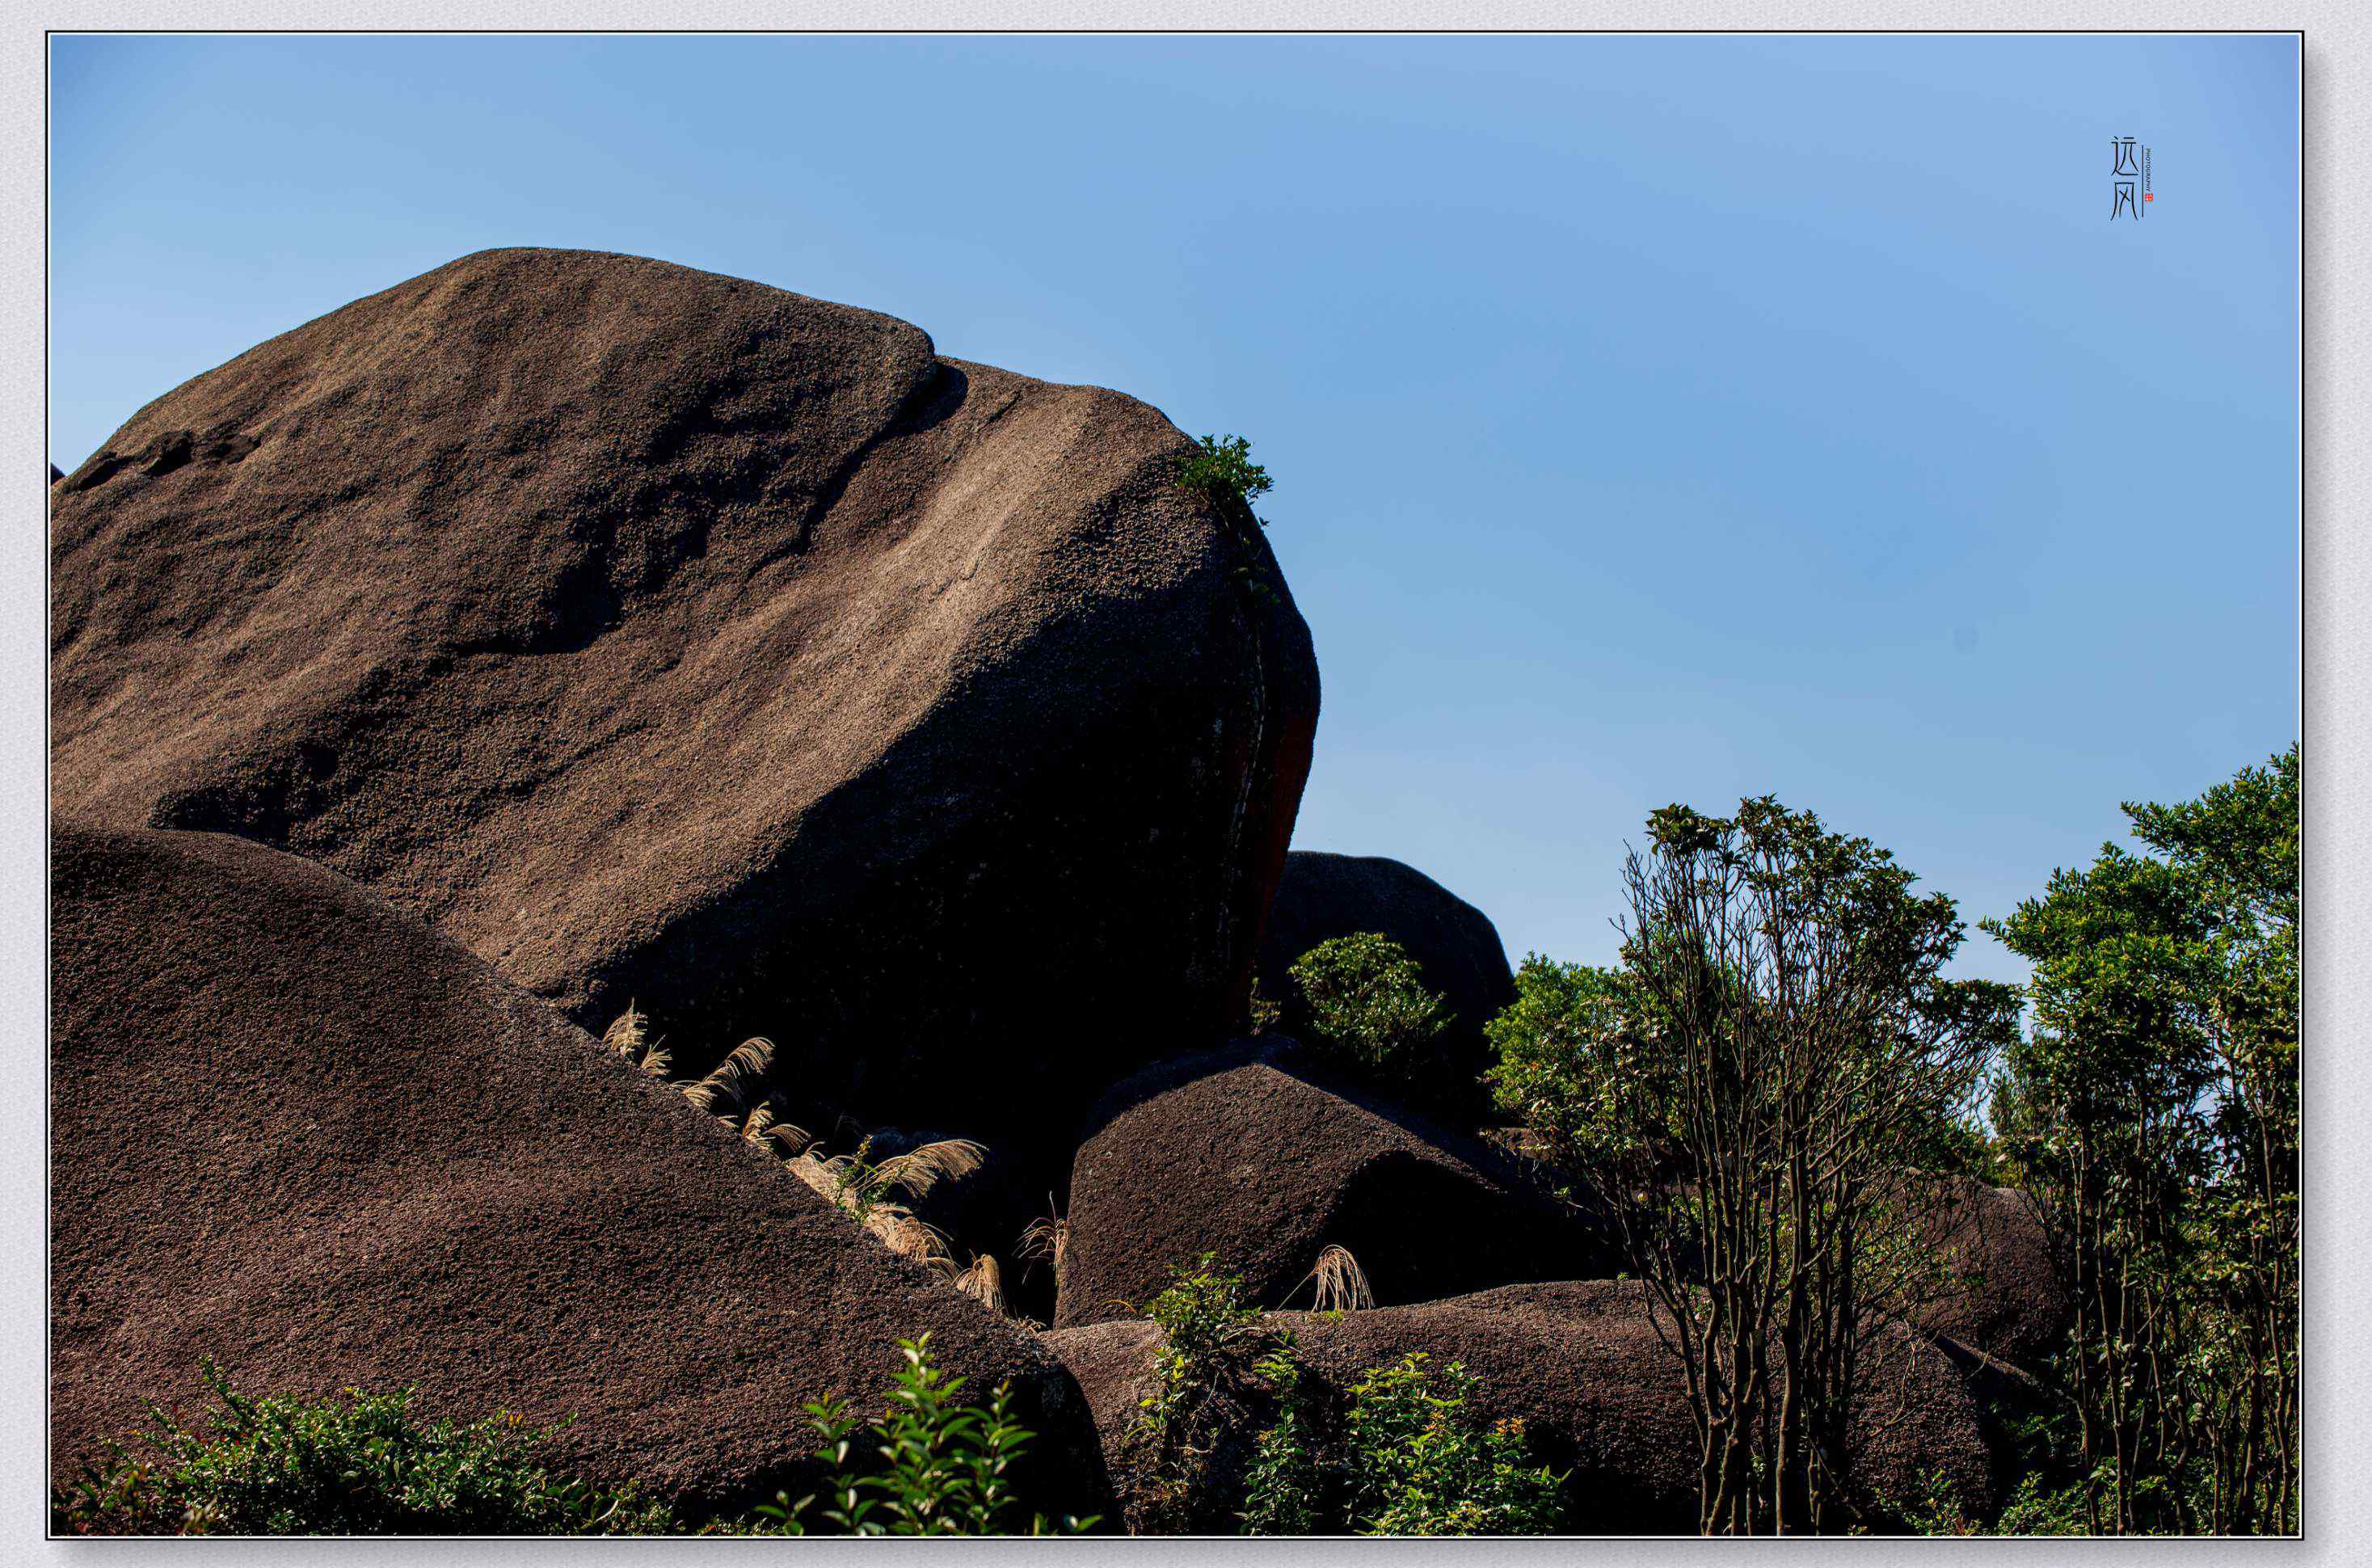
<point x="1321" y="897"/>
<point x="1601" y="1400"/>
<point x="1601" y="1396"/>
<point x="665" y="636"/>
<point x="1259" y="1155"/>
<point x="2003" y="1297"/>
<point x="295" y="1131"/>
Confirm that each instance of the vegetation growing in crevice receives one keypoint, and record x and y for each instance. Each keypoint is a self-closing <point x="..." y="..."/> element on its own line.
<point x="867" y="1189"/>
<point x="1396" y="1454"/>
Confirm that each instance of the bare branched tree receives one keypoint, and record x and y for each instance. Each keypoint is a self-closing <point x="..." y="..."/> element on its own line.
<point x="1784" y="1049"/>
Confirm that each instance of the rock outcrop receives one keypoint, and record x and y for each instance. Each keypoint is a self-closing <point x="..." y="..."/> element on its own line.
<point x="297" y="1132"/>
<point x="1324" y="896"/>
<point x="668" y="637"/>
<point x="1258" y="1156"/>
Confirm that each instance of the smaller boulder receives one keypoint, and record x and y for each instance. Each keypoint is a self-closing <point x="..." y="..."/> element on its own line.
<point x="1261" y="1155"/>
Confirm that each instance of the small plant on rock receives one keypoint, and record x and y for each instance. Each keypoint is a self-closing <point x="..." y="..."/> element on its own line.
<point x="1212" y="1385"/>
<point x="1222" y="468"/>
<point x="927" y="1466"/>
<point x="1368" y="1005"/>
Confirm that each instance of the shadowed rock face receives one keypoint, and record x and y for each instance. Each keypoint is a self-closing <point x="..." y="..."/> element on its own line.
<point x="1257" y="1155"/>
<point x="1321" y="897"/>
<point x="2004" y="1296"/>
<point x="297" y="1132"/>
<point x="664" y="636"/>
<point x="1601" y="1396"/>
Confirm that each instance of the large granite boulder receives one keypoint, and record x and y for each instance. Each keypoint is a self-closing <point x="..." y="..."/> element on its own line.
<point x="668" y="637"/>
<point x="1322" y="896"/>
<point x="1259" y="1155"/>
<point x="297" y="1132"/>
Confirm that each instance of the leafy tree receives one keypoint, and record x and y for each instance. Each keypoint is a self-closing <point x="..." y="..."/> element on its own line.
<point x="2152" y="1106"/>
<point x="1567" y="1065"/>
<point x="1740" y="1099"/>
<point x="1368" y="1005"/>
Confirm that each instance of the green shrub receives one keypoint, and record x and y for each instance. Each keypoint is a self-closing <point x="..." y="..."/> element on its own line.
<point x="1368" y="1005"/>
<point x="1407" y="1462"/>
<point x="1569" y="1061"/>
<point x="1209" y="1338"/>
<point x="280" y="1466"/>
<point x="1223" y="470"/>
<point x="930" y="1465"/>
<point x="1211" y="1390"/>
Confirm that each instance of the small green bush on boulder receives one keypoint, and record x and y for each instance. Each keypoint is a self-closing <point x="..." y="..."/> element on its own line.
<point x="1368" y="1005"/>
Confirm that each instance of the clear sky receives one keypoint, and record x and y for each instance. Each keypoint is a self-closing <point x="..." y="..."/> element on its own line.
<point x="1652" y="419"/>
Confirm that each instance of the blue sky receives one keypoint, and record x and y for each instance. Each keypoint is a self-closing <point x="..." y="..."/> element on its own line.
<point x="1653" y="419"/>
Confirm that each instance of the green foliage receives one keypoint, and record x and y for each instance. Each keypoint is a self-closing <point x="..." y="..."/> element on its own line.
<point x="1286" y="1485"/>
<point x="1264" y="1011"/>
<point x="1368" y="1005"/>
<point x="1405" y="1460"/>
<point x="931" y="1465"/>
<point x="859" y="1185"/>
<point x="1207" y="1331"/>
<point x="2154" y="1104"/>
<point x="1212" y="1372"/>
<point x="1222" y="468"/>
<point x="280" y="1466"/>
<point x="928" y="1464"/>
<point x="1572" y="1063"/>
<point x="1740" y="1100"/>
<point x="1418" y="1468"/>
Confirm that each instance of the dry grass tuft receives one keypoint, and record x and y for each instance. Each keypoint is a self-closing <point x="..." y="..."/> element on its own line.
<point x="844" y="1180"/>
<point x="985" y="1283"/>
<point x="1342" y="1284"/>
<point x="729" y="1089"/>
<point x="918" y="1170"/>
<point x="1047" y="1238"/>
<point x="735" y="1093"/>
<point x="628" y="1033"/>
